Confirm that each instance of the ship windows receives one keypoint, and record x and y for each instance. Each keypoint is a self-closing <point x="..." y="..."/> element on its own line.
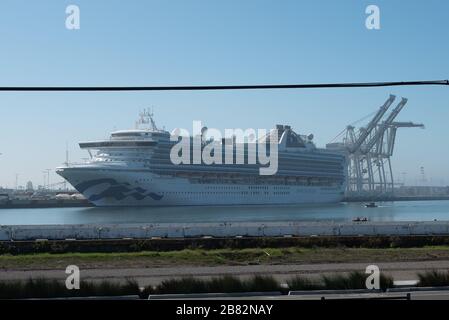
<point x="127" y="134"/>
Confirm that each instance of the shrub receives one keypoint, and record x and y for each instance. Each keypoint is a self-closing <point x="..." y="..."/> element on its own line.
<point x="108" y="288"/>
<point x="225" y="284"/>
<point x="262" y="284"/>
<point x="353" y="280"/>
<point x="302" y="283"/>
<point x="46" y="288"/>
<point x="433" y="278"/>
<point x="182" y="285"/>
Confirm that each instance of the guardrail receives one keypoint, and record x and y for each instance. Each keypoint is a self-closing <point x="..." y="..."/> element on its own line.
<point x="212" y="295"/>
<point x="418" y="289"/>
<point x="321" y="292"/>
<point x="299" y="295"/>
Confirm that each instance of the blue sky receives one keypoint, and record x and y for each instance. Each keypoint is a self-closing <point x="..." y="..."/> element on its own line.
<point x="218" y="42"/>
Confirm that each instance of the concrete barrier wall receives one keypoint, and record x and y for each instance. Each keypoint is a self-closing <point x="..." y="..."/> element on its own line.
<point x="5" y="233"/>
<point x="54" y="232"/>
<point x="252" y="229"/>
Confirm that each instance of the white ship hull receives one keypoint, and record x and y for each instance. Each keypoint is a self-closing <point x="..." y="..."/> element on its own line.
<point x="126" y="187"/>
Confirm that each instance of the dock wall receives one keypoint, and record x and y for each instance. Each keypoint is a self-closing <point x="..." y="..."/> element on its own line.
<point x="222" y="230"/>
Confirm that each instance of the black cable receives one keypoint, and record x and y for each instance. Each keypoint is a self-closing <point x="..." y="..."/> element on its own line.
<point x="231" y="87"/>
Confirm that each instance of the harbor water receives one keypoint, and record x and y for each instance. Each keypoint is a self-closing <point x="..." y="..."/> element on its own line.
<point x="343" y="212"/>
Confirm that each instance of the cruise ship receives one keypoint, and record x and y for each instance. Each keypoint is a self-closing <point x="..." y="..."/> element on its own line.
<point x="133" y="168"/>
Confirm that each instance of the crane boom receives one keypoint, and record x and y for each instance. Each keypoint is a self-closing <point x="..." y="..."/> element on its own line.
<point x="384" y="125"/>
<point x="372" y="124"/>
<point x="392" y="133"/>
<point x="407" y="124"/>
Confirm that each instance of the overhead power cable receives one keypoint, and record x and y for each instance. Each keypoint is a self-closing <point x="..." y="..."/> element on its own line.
<point x="229" y="87"/>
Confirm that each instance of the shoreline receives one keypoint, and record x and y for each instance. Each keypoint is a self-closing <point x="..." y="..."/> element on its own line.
<point x="61" y="203"/>
<point x="42" y="204"/>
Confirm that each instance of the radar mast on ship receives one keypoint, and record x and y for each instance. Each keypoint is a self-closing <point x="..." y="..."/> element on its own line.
<point x="146" y="120"/>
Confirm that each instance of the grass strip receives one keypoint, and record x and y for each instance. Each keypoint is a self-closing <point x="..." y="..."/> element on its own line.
<point x="216" y="257"/>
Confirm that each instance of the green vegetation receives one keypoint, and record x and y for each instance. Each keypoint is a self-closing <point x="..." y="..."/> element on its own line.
<point x="168" y="244"/>
<point x="300" y="283"/>
<point x="227" y="284"/>
<point x="353" y="280"/>
<point x="216" y="257"/>
<point x="433" y="278"/>
<point x="45" y="288"/>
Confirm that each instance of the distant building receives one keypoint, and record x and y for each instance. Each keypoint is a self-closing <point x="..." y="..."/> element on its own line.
<point x="6" y="190"/>
<point x="422" y="191"/>
<point x="29" y="186"/>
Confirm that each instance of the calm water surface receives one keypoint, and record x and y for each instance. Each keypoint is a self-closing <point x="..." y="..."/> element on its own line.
<point x="387" y="211"/>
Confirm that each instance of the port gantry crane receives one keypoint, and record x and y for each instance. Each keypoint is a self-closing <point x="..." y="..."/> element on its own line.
<point x="369" y="150"/>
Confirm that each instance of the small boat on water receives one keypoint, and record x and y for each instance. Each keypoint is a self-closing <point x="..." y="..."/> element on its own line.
<point x="371" y="205"/>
